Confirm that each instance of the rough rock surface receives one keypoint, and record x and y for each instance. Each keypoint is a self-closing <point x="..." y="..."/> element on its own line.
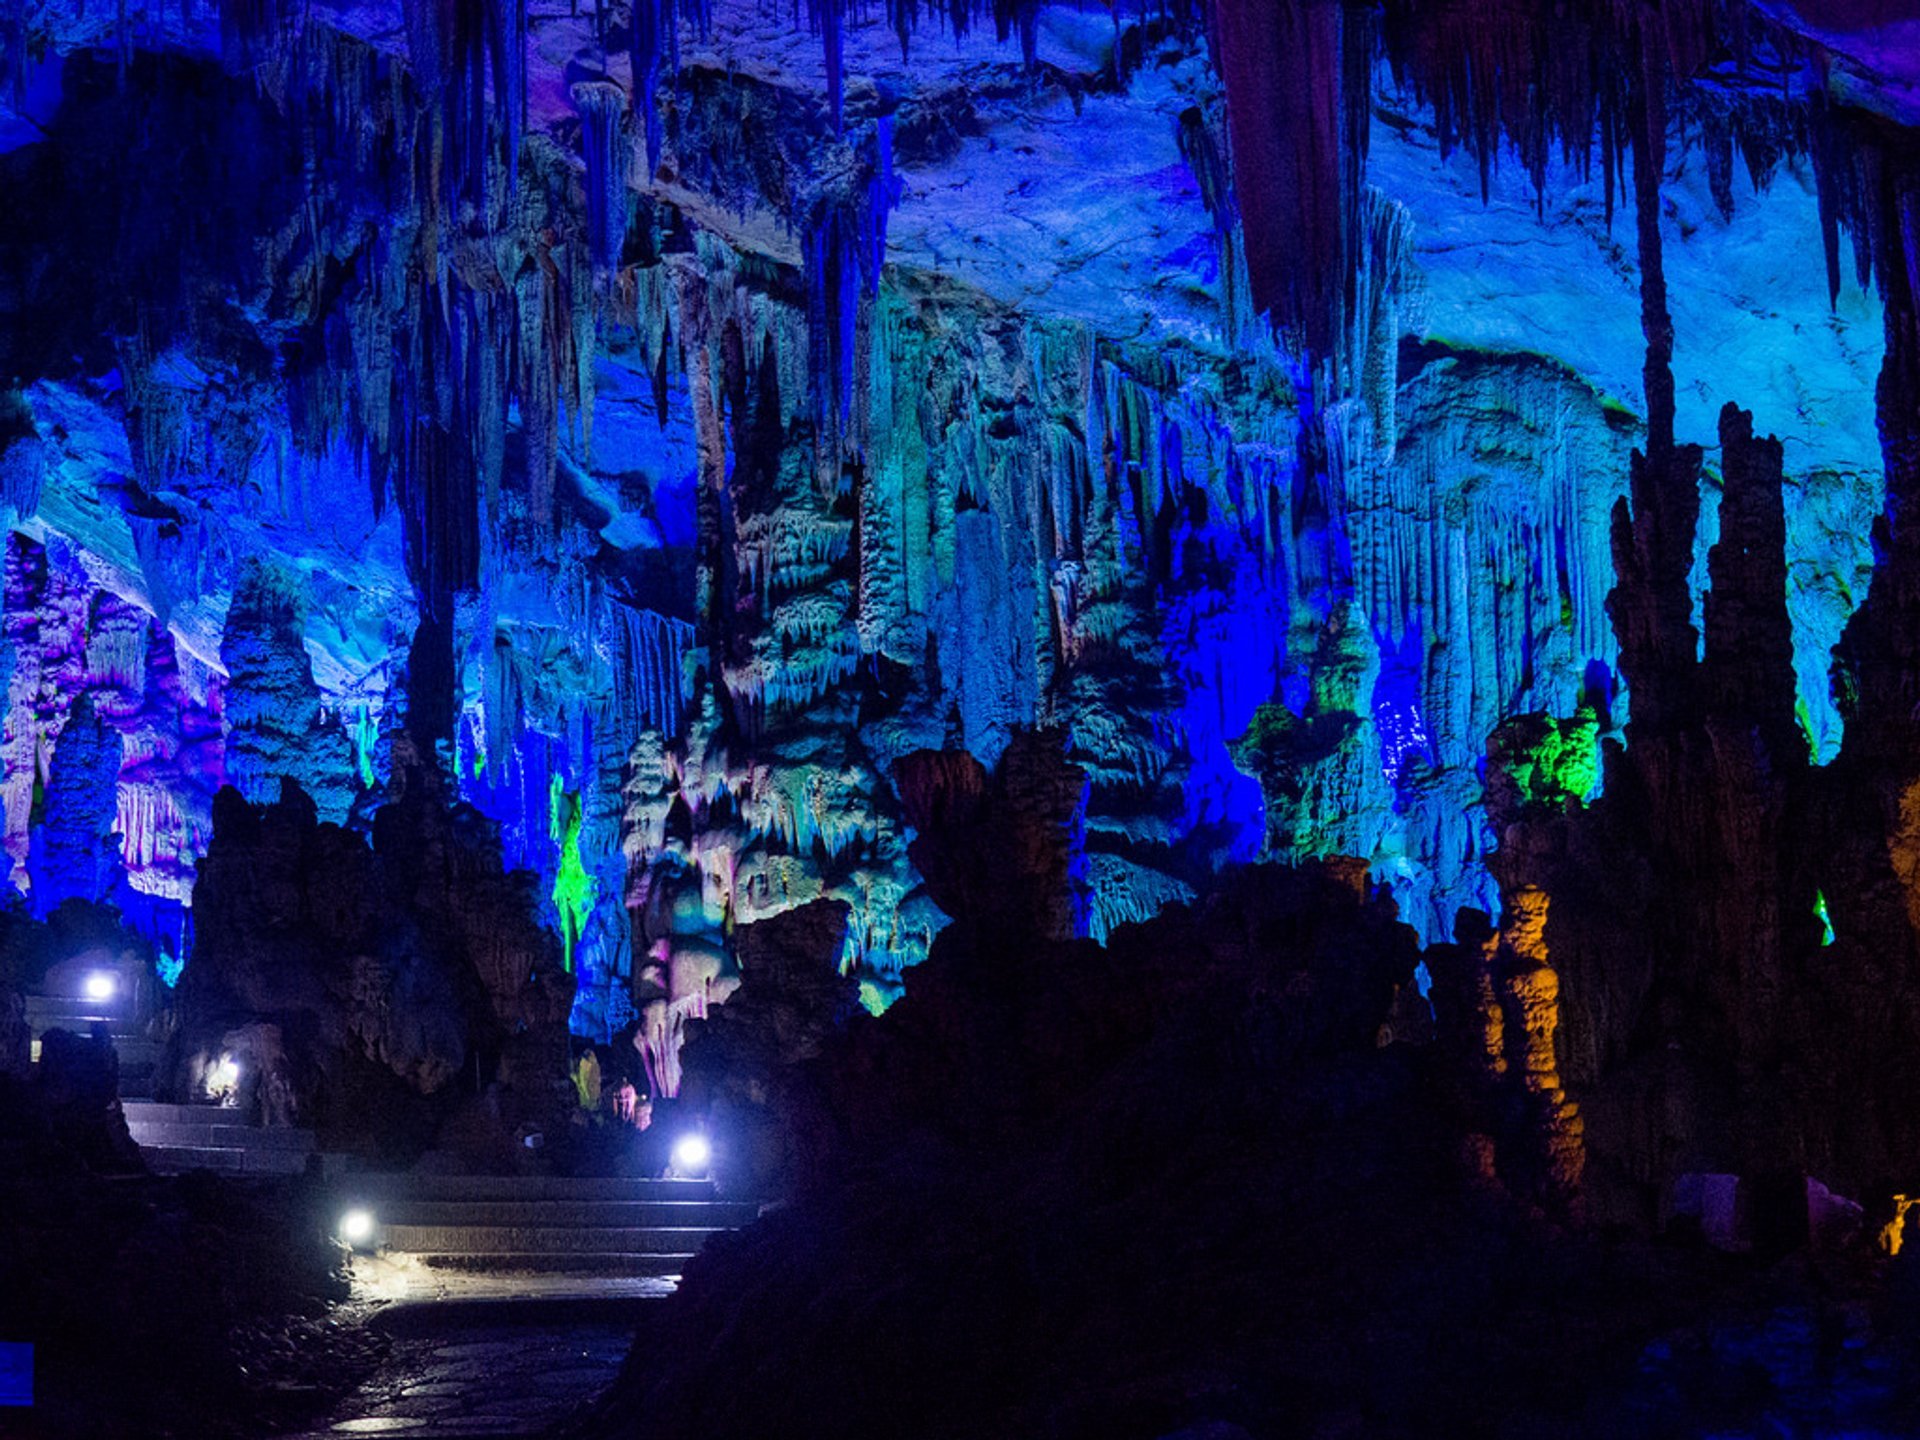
<point x="746" y="409"/>
<point x="402" y="976"/>
<point x="1182" y="1186"/>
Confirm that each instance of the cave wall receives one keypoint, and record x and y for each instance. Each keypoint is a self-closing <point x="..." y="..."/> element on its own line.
<point x="675" y="468"/>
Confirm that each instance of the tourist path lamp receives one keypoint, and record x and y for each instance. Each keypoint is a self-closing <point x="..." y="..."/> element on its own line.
<point x="692" y="1154"/>
<point x="357" y="1229"/>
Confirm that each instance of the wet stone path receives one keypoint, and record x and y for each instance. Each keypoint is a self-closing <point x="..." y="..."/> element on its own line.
<point x="480" y="1378"/>
<point x="475" y="1355"/>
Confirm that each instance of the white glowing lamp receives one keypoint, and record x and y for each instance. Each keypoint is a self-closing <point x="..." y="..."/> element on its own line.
<point x="356" y="1227"/>
<point x="101" y="985"/>
<point x="692" y="1154"/>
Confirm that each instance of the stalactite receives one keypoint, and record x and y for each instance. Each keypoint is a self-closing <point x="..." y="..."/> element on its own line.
<point x="1653" y="536"/>
<point x="609" y="164"/>
<point x="249" y="32"/>
<point x="1875" y="193"/>
<point x="13" y="67"/>
<point x="843" y="251"/>
<point x="1298" y="98"/>
<point x="650" y="674"/>
<point x="828" y="17"/>
<point x="655" y="31"/>
<point x="457" y="48"/>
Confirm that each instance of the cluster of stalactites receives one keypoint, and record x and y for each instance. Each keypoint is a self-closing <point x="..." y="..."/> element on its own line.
<point x="650" y="682"/>
<point x="1541" y="76"/>
<point x="656" y="39"/>
<point x="458" y="49"/>
<point x="1298" y="76"/>
<point x="469" y="357"/>
<point x="1535" y="78"/>
<point x="1864" y="171"/>
<point x="829" y="19"/>
<point x="250" y="30"/>
<point x="442" y="333"/>
<point x="843" y="247"/>
<point x="468" y="59"/>
<point x="423" y="328"/>
<point x="609" y="157"/>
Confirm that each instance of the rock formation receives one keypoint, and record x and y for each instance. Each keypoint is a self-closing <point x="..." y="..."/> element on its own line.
<point x="663" y="456"/>
<point x="688" y="441"/>
<point x="401" y="975"/>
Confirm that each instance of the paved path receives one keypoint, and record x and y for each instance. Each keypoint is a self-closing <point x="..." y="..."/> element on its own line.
<point x="480" y="1356"/>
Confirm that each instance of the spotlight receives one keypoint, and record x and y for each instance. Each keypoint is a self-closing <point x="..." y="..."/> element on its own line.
<point x="356" y="1228"/>
<point x="692" y="1154"/>
<point x="101" y="985"/>
<point x="223" y="1082"/>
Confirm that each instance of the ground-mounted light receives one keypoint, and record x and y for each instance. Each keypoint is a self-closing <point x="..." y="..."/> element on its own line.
<point x="692" y="1154"/>
<point x="223" y="1081"/>
<point x="102" y="985"/>
<point x="357" y="1228"/>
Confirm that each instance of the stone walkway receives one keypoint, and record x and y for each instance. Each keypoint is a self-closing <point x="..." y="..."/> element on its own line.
<point x="478" y="1356"/>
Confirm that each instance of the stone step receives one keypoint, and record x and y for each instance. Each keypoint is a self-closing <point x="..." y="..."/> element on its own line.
<point x="658" y="1264"/>
<point x="173" y="1138"/>
<point x="152" y="1112"/>
<point x="226" y="1160"/>
<point x="165" y="1135"/>
<point x="82" y="1025"/>
<point x="72" y="1012"/>
<point x="544" y="1239"/>
<point x="387" y="1188"/>
<point x="582" y="1214"/>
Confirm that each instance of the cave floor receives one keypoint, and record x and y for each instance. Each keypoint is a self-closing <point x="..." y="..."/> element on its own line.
<point x="475" y="1355"/>
<point x="480" y="1379"/>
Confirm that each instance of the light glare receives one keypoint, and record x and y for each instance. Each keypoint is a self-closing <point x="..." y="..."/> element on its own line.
<point x="356" y="1227"/>
<point x="101" y="985"/>
<point x="691" y="1153"/>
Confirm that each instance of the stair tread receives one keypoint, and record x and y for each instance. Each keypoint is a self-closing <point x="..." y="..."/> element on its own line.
<point x="231" y="1160"/>
<point x="158" y="1112"/>
<point x="564" y="1213"/>
<point x="531" y="1188"/>
<point x="82" y="1023"/>
<point x="545" y="1240"/>
<point x="242" y="1137"/>
<point x="631" y="1263"/>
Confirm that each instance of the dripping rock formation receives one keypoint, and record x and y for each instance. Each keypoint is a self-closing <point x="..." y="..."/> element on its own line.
<point x="1294" y="623"/>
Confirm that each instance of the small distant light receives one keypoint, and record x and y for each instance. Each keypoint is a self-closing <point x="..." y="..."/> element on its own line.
<point x="101" y="985"/>
<point x="356" y="1227"/>
<point x="692" y="1154"/>
<point x="225" y="1076"/>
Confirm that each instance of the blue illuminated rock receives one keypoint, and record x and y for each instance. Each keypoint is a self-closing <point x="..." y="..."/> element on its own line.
<point x="733" y="410"/>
